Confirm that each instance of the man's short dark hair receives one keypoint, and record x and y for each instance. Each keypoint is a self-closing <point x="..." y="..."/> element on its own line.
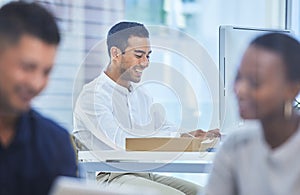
<point x="21" y="18"/>
<point x="286" y="47"/>
<point x="119" y="34"/>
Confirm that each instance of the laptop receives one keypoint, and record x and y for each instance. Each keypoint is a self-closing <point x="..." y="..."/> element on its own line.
<point x="76" y="186"/>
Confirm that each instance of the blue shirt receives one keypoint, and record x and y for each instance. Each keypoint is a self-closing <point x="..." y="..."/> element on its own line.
<point x="40" y="151"/>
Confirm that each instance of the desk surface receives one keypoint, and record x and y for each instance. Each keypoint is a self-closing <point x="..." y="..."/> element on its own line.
<point x="122" y="161"/>
<point x="107" y="155"/>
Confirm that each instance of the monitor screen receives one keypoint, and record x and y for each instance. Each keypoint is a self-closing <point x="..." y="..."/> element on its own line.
<point x="233" y="41"/>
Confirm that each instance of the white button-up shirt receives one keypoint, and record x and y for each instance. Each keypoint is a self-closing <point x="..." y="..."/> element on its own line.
<point x="107" y="113"/>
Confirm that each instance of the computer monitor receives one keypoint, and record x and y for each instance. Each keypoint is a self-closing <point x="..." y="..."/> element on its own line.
<point x="233" y="41"/>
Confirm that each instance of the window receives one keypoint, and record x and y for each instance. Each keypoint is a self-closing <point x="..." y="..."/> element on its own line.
<point x="84" y="24"/>
<point x="199" y="20"/>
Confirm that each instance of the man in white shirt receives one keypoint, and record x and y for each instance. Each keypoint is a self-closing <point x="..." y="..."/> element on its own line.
<point x="113" y="108"/>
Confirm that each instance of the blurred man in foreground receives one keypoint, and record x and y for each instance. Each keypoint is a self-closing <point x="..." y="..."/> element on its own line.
<point x="33" y="150"/>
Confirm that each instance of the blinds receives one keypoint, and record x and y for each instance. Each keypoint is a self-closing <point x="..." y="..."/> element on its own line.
<point x="83" y="25"/>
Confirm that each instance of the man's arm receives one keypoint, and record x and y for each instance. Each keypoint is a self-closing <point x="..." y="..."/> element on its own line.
<point x="94" y="115"/>
<point x="214" y="133"/>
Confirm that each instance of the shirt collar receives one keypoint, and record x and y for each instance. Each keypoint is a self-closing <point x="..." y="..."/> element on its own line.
<point x="116" y="86"/>
<point x="23" y="128"/>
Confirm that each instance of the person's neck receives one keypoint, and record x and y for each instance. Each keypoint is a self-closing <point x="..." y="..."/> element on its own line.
<point x="278" y="129"/>
<point x="7" y="128"/>
<point x="114" y="74"/>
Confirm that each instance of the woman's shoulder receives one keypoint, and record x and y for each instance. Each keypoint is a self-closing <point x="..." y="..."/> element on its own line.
<point x="249" y="133"/>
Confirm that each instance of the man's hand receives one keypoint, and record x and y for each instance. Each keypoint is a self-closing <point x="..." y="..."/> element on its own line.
<point x="203" y="134"/>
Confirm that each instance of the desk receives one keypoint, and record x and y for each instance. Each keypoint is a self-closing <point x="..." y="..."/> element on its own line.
<point x="122" y="161"/>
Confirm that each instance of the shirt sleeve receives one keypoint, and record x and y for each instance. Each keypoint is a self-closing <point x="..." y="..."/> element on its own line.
<point x="164" y="127"/>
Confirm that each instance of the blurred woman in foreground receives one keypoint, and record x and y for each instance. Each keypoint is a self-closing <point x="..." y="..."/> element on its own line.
<point x="263" y="160"/>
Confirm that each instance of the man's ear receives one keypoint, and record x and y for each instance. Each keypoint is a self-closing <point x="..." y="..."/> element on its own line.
<point x="115" y="52"/>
